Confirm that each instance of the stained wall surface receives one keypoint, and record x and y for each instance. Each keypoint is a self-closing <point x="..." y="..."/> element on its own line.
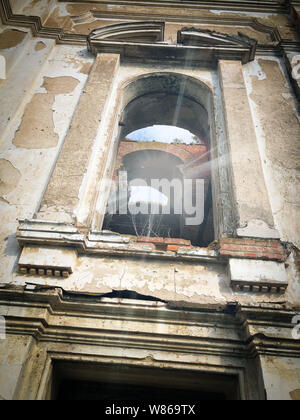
<point x="47" y="83"/>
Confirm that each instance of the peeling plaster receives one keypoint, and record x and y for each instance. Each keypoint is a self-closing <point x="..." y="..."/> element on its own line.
<point x="24" y="172"/>
<point x="40" y="45"/>
<point x="295" y="395"/>
<point x="9" y="177"/>
<point x="293" y="273"/>
<point x="37" y="128"/>
<point x="275" y="118"/>
<point x="60" y="85"/>
<point x="10" y="38"/>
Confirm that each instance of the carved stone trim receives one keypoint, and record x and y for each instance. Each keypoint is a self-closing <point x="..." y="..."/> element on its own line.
<point x="257" y="276"/>
<point x="141" y="31"/>
<point x="198" y="37"/>
<point x="220" y="46"/>
<point x="207" y="20"/>
<point x="248" y="6"/>
<point x="245" y="330"/>
<point x="61" y="37"/>
<point x="36" y="26"/>
<point x="37" y="234"/>
<point x="257" y="288"/>
<point x="42" y="271"/>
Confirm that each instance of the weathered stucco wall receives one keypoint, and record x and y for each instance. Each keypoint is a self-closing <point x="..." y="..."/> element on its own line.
<point x="37" y="104"/>
<point x="83" y="18"/>
<point x="42" y="8"/>
<point x="278" y="133"/>
<point x="281" y="378"/>
<point x="15" y="352"/>
<point x="30" y="147"/>
<point x="44" y="92"/>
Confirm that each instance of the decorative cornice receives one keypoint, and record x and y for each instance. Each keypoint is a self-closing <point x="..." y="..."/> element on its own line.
<point x="250" y="22"/>
<point x="275" y="6"/>
<point x="262" y="287"/>
<point x="198" y="37"/>
<point x="141" y="31"/>
<point x="34" y="23"/>
<point x="45" y="313"/>
<point x="201" y="46"/>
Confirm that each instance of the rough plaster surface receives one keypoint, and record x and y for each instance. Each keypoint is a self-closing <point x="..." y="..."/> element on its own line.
<point x="295" y="395"/>
<point x="14" y="353"/>
<point x="248" y="178"/>
<point x="11" y="38"/>
<point x="40" y="8"/>
<point x="53" y="83"/>
<point x="9" y="177"/>
<point x="80" y="138"/>
<point x="76" y="17"/>
<point x="39" y="46"/>
<point x="198" y="283"/>
<point x="37" y="128"/>
<point x="281" y="376"/>
<point x="278" y="131"/>
<point x="60" y="85"/>
<point x="47" y="84"/>
<point x="87" y="277"/>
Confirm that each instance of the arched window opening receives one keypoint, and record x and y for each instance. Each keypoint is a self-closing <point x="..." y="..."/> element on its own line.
<point x="162" y="174"/>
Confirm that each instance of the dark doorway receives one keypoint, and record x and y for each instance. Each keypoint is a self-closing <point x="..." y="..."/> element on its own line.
<point x="101" y="391"/>
<point x="117" y="382"/>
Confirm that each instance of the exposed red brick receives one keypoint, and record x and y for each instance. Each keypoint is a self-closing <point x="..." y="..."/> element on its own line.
<point x="173" y="248"/>
<point x="154" y="240"/>
<point x="185" y="152"/>
<point x="252" y="248"/>
<point x="177" y="241"/>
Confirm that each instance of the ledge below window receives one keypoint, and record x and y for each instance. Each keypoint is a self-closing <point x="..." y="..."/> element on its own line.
<point x="51" y="249"/>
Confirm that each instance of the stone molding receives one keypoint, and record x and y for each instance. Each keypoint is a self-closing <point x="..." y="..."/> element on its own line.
<point x="247" y="331"/>
<point x="197" y="37"/>
<point x="36" y="26"/>
<point x="147" y="31"/>
<point x="257" y="276"/>
<point x="36" y="233"/>
<point x="258" y="6"/>
<point x="281" y="46"/>
<point x="207" y="46"/>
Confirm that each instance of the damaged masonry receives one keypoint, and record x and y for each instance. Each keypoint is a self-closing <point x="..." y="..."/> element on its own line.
<point x="149" y="201"/>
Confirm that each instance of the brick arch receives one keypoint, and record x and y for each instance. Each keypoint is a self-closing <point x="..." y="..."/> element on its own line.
<point x="184" y="152"/>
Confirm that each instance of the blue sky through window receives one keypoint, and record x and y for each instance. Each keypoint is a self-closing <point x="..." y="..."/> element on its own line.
<point x="163" y="134"/>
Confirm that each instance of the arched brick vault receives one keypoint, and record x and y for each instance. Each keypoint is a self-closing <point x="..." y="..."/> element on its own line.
<point x="186" y="153"/>
<point x="183" y="152"/>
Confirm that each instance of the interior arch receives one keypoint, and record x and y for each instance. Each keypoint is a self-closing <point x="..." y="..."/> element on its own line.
<point x="167" y="99"/>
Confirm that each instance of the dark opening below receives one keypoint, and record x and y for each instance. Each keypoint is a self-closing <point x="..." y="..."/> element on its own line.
<point x="119" y="382"/>
<point x="101" y="391"/>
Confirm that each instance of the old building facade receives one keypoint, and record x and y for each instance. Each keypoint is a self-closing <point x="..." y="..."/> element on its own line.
<point x="92" y="304"/>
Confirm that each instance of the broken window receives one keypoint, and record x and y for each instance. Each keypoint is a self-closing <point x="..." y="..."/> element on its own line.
<point x="162" y="176"/>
